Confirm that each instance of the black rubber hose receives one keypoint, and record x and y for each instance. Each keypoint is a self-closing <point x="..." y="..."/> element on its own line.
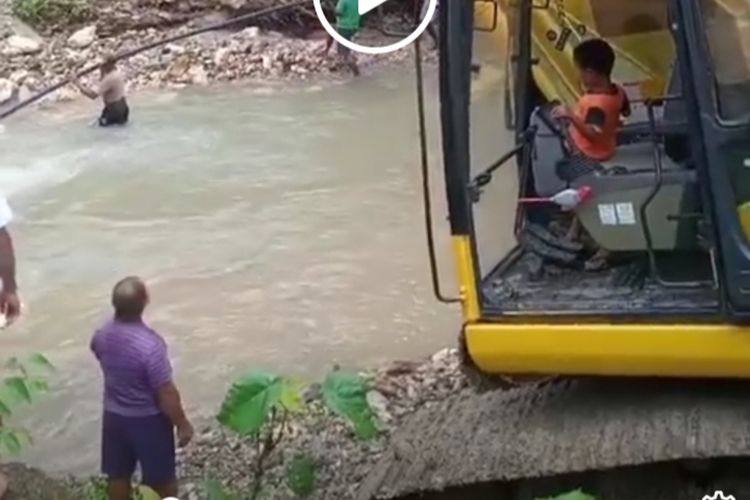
<point x="144" y="48"/>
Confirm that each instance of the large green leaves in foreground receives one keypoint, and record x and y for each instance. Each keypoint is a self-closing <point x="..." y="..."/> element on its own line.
<point x="146" y="493"/>
<point x="249" y="402"/>
<point x="346" y="395"/>
<point x="573" y="495"/>
<point x="22" y="383"/>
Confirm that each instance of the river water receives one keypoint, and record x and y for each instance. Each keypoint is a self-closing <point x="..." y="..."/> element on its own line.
<point x="278" y="227"/>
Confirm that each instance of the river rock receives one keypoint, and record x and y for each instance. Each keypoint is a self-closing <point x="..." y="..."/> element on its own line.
<point x="83" y="37"/>
<point x="379" y="405"/>
<point x="198" y="75"/>
<point x="19" y="45"/>
<point x="232" y="4"/>
<point x="18" y="76"/>
<point x="267" y="62"/>
<point x="7" y="90"/>
<point x="66" y="94"/>
<point x="23" y="93"/>
<point x="221" y="55"/>
<point x="251" y="32"/>
<point x="179" y="67"/>
<point x="173" y="48"/>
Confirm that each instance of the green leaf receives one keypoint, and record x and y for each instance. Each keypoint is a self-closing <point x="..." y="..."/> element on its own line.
<point x="300" y="475"/>
<point x="248" y="403"/>
<point x="40" y="363"/>
<point x="346" y="395"/>
<point x="291" y="394"/>
<point x="215" y="491"/>
<point x="16" y="390"/>
<point x="13" y="364"/>
<point x="37" y="385"/>
<point x="5" y="408"/>
<point x="23" y="437"/>
<point x="10" y="444"/>
<point x="573" y="495"/>
<point x="146" y="493"/>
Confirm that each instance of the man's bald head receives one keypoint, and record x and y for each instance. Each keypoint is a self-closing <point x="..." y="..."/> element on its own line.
<point x="129" y="298"/>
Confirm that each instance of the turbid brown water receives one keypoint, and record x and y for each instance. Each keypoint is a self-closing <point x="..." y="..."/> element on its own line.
<point x="279" y="227"/>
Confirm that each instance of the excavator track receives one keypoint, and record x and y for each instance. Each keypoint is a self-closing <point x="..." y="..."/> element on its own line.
<point x="617" y="439"/>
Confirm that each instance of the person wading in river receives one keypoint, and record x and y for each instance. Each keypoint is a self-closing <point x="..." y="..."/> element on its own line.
<point x="112" y="92"/>
<point x="348" y="22"/>
<point x="142" y="406"/>
<point x="10" y="306"/>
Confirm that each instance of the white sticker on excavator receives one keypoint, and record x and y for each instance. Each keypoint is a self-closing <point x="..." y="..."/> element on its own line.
<point x="607" y="214"/>
<point x="625" y="214"/>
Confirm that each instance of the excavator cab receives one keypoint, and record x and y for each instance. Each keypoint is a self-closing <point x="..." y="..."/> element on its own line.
<point x="618" y="403"/>
<point x="671" y="209"/>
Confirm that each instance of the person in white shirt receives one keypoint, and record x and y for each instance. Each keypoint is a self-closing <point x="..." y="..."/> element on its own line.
<point x="10" y="306"/>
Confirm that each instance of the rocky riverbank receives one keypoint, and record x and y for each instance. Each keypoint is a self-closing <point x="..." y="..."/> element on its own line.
<point x="32" y="62"/>
<point x="341" y="461"/>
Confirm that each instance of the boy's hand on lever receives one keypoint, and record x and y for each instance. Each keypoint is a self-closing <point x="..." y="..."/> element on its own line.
<point x="560" y="111"/>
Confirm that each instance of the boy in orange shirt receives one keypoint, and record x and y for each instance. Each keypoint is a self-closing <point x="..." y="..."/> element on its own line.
<point x="595" y="119"/>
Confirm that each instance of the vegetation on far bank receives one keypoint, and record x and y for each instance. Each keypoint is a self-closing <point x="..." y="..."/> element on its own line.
<point x="47" y="12"/>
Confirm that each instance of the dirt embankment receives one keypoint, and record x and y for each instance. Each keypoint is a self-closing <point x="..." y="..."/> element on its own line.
<point x="285" y="45"/>
<point x="341" y="461"/>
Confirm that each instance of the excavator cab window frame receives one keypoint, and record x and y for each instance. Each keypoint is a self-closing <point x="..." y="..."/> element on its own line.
<point x="717" y="137"/>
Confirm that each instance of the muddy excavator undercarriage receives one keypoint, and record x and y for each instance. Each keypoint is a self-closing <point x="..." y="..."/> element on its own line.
<point x="628" y="382"/>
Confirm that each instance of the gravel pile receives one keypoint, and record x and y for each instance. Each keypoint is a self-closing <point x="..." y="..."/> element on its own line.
<point x="27" y="66"/>
<point x="341" y="460"/>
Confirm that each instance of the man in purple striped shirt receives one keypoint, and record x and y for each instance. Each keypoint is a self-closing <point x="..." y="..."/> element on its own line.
<point x="142" y="405"/>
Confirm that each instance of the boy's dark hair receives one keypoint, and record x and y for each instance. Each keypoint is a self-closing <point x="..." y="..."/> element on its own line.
<point x="595" y="55"/>
<point x="129" y="298"/>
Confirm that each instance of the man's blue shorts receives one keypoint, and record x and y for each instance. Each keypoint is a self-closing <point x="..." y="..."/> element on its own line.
<point x="147" y="441"/>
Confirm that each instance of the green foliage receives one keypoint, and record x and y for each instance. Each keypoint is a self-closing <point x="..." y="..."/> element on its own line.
<point x="573" y="495"/>
<point x="258" y="406"/>
<point x="145" y="493"/>
<point x="346" y="395"/>
<point x="248" y="405"/>
<point x="300" y="476"/>
<point x="96" y="489"/>
<point x="216" y="491"/>
<point x="23" y="383"/>
<point x="39" y="12"/>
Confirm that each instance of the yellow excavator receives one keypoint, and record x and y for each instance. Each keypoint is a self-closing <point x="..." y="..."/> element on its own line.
<point x="626" y="381"/>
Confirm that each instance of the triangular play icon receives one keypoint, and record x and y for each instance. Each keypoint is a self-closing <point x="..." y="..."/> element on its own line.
<point x="366" y="6"/>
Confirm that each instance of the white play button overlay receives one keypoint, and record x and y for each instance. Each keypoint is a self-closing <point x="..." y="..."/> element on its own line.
<point x="365" y="6"/>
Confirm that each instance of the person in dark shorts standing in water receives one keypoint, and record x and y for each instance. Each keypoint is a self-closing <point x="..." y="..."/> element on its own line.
<point x="348" y="22"/>
<point x="112" y="91"/>
<point x="142" y="406"/>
